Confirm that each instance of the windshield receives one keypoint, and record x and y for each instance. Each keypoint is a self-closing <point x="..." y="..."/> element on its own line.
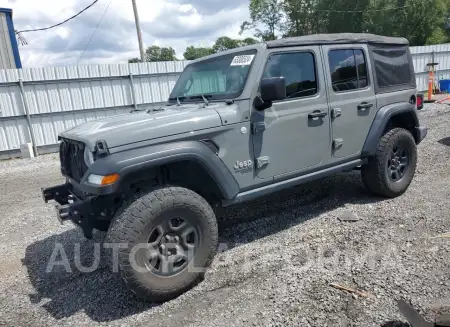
<point x="216" y="78"/>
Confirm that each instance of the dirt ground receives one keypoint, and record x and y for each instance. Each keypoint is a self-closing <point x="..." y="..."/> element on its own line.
<point x="278" y="254"/>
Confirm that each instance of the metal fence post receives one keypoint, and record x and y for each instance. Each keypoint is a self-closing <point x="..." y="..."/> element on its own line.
<point x="27" y="112"/>
<point x="133" y="94"/>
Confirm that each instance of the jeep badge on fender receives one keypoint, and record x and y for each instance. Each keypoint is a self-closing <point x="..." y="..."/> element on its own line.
<point x="243" y="165"/>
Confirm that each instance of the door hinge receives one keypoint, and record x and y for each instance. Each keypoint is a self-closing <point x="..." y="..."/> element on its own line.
<point x="262" y="161"/>
<point x="258" y="127"/>
<point x="337" y="143"/>
<point x="336" y="112"/>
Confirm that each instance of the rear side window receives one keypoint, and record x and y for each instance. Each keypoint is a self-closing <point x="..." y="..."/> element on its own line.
<point x="348" y="69"/>
<point x="392" y="65"/>
<point x="298" y="69"/>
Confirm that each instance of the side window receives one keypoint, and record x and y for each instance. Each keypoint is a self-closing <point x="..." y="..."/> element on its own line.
<point x="298" y="69"/>
<point x="348" y="69"/>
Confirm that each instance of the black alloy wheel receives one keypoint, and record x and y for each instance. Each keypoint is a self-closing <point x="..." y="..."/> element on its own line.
<point x="398" y="163"/>
<point x="172" y="245"/>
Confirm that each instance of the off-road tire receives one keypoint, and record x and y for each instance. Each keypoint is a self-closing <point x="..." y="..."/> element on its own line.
<point x="375" y="174"/>
<point x="138" y="216"/>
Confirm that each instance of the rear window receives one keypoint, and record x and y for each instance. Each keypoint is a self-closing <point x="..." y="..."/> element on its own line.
<point x="392" y="66"/>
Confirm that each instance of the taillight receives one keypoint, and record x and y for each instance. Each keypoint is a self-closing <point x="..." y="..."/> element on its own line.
<point x="419" y="101"/>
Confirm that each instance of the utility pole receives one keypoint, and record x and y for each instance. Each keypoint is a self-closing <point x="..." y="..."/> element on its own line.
<point x="138" y="29"/>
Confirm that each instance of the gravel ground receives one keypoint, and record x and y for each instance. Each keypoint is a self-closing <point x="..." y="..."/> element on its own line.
<point x="279" y="255"/>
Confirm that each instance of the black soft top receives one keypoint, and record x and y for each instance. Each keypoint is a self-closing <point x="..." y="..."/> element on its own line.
<point x="337" y="38"/>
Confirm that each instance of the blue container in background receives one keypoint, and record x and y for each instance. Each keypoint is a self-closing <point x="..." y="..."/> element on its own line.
<point x="444" y="85"/>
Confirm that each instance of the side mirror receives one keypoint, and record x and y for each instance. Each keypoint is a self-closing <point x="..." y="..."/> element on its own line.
<point x="273" y="89"/>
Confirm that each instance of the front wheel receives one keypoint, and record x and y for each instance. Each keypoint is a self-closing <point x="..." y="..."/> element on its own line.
<point x="166" y="239"/>
<point x="392" y="168"/>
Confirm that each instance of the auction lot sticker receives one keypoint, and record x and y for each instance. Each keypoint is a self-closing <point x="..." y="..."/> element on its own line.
<point x="244" y="60"/>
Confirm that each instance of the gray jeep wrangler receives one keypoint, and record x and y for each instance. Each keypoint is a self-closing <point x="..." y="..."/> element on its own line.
<point x="238" y="125"/>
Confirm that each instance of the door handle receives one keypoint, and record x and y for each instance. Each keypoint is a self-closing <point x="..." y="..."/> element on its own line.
<point x="317" y="114"/>
<point x="365" y="105"/>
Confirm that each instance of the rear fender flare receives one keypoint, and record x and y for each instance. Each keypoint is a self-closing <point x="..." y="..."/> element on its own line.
<point x="381" y="121"/>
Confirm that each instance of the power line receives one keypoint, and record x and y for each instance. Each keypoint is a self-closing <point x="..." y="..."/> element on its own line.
<point x="49" y="27"/>
<point x="359" y="11"/>
<point x="95" y="30"/>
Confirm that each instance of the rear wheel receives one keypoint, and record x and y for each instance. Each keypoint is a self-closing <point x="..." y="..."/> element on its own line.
<point x="391" y="170"/>
<point x="171" y="236"/>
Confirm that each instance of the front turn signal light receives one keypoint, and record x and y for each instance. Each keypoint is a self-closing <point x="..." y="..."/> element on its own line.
<point x="103" y="180"/>
<point x="110" y="179"/>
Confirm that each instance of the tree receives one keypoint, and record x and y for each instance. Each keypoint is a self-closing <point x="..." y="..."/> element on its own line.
<point x="344" y="16"/>
<point x="193" y="53"/>
<point x="156" y="53"/>
<point x="267" y="14"/>
<point x="438" y="36"/>
<point x="247" y="41"/>
<point x="419" y="20"/>
<point x="225" y="43"/>
<point x="301" y="17"/>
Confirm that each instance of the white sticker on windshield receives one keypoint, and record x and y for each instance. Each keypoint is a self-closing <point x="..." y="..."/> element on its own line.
<point x="244" y="60"/>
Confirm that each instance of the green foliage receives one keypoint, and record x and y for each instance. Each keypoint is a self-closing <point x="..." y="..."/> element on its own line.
<point x="226" y="43"/>
<point x="155" y="53"/>
<point x="193" y="53"/>
<point x="300" y="20"/>
<point x="247" y="41"/>
<point x="267" y="14"/>
<point x="438" y="36"/>
<point x="420" y="21"/>
<point x="417" y="21"/>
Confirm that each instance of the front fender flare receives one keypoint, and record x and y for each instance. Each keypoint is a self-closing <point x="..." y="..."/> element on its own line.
<point x="139" y="159"/>
<point x="381" y="121"/>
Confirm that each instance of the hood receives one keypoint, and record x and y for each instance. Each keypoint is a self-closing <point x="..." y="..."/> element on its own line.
<point x="142" y="126"/>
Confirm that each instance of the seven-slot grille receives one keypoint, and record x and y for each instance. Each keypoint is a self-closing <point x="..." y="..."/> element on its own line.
<point x="71" y="155"/>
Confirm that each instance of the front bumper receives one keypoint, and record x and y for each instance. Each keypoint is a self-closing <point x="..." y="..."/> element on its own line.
<point x="421" y="133"/>
<point x="70" y="207"/>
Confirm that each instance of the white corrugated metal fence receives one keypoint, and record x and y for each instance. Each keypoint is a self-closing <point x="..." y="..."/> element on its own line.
<point x="439" y="53"/>
<point x="36" y="104"/>
<point x="53" y="99"/>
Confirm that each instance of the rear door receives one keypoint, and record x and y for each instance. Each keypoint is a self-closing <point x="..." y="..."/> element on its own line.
<point x="351" y="96"/>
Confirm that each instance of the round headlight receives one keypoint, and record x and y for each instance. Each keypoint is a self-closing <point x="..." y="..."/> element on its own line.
<point x="88" y="157"/>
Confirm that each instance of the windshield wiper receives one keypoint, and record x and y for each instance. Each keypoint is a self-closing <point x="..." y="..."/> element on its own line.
<point x="177" y="97"/>
<point x="206" y="101"/>
<point x="192" y="97"/>
<point x="203" y="97"/>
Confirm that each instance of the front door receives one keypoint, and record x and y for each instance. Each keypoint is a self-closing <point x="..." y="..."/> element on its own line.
<point x="351" y="97"/>
<point x="294" y="134"/>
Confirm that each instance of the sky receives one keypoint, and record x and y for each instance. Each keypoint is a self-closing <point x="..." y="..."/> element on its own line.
<point x="175" y="23"/>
